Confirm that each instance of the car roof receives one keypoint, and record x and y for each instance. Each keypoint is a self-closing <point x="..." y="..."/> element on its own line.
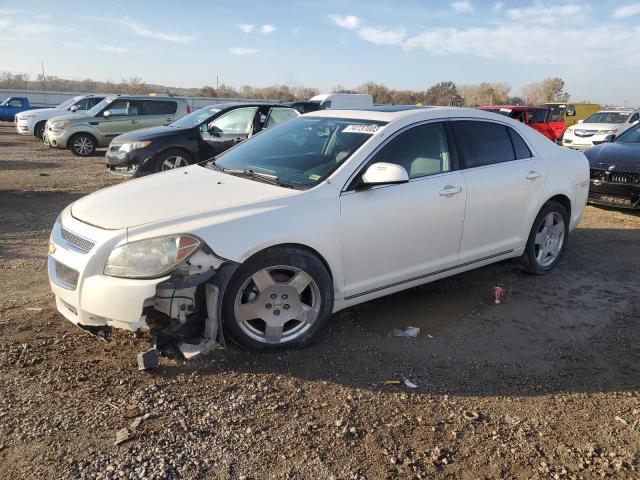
<point x="512" y="107"/>
<point x="427" y="112"/>
<point x="616" y="110"/>
<point x="145" y="97"/>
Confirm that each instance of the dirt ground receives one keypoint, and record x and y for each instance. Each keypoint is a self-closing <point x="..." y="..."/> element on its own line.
<point x="545" y="385"/>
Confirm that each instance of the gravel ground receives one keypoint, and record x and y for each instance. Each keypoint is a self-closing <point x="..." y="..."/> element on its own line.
<point x="545" y="385"/>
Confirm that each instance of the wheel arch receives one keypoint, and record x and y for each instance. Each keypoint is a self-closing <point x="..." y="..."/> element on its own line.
<point x="297" y="246"/>
<point x="35" y="127"/>
<point x="149" y="163"/>
<point x="562" y="199"/>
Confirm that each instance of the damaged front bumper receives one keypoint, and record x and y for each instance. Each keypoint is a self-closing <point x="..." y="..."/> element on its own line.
<point x="178" y="308"/>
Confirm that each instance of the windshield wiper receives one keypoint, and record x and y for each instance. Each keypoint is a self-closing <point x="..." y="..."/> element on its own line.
<point x="211" y="163"/>
<point x="247" y="172"/>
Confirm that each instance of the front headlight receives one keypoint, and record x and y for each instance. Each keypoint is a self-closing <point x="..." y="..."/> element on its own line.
<point x="127" y="147"/>
<point x="607" y="132"/>
<point x="25" y="117"/>
<point x="150" y="258"/>
<point x="60" y="124"/>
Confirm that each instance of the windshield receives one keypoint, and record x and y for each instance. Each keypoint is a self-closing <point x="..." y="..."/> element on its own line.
<point x="67" y="103"/>
<point x="608" y="117"/>
<point x="300" y="152"/>
<point x="99" y="106"/>
<point x="195" y="118"/>
<point x="630" y="136"/>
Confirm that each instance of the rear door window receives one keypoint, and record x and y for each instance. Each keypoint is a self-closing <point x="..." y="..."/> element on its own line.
<point x="483" y="143"/>
<point x="158" y="107"/>
<point x="519" y="146"/>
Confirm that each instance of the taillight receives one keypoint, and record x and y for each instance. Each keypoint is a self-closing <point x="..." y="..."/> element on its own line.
<point x="188" y="109"/>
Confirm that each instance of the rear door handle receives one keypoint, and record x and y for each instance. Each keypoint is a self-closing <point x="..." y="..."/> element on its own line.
<point x="449" y="190"/>
<point x="532" y="175"/>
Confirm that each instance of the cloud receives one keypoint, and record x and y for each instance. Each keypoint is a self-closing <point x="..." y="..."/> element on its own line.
<point x="4" y="23"/>
<point x="113" y="49"/>
<point x="382" y="36"/>
<point x="12" y="11"/>
<point x="242" y="51"/>
<point x="350" y="22"/>
<point x="143" y="31"/>
<point x="139" y="29"/>
<point x="627" y="11"/>
<point x="498" y="6"/>
<point x="549" y="14"/>
<point x="246" y="27"/>
<point x="23" y="30"/>
<point x="462" y="6"/>
<point x="267" y="29"/>
<point x="296" y="30"/>
<point x="507" y="43"/>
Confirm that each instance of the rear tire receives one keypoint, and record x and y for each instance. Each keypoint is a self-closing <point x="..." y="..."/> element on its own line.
<point x="82" y="144"/>
<point x="277" y="300"/>
<point x="38" y="131"/>
<point x="547" y="240"/>
<point x="172" y="159"/>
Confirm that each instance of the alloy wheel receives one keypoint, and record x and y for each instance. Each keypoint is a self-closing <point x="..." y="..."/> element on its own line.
<point x="175" y="161"/>
<point x="83" y="145"/>
<point x="277" y="304"/>
<point x="549" y="239"/>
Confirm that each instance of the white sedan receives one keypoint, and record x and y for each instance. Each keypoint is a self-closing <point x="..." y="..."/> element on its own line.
<point x="319" y="213"/>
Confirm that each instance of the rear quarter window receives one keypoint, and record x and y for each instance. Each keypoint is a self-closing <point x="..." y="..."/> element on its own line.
<point x="158" y="107"/>
<point x="483" y="143"/>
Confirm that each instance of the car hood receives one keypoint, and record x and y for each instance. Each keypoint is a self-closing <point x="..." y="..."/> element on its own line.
<point x="595" y="126"/>
<point x="146" y="134"/>
<point x="622" y="156"/>
<point x="172" y="194"/>
<point x="42" y="111"/>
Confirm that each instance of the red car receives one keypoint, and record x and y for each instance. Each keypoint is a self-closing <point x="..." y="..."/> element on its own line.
<point x="538" y="118"/>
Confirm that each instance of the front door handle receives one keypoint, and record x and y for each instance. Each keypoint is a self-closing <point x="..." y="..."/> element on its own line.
<point x="449" y="190"/>
<point x="532" y="175"/>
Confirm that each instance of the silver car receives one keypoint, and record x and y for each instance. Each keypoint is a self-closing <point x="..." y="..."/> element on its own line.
<point x="113" y="116"/>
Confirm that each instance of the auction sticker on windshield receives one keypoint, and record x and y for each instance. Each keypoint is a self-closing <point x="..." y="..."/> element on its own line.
<point x="370" y="129"/>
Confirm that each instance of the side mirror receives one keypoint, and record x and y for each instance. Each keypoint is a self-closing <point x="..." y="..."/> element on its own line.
<point x="383" y="173"/>
<point x="610" y="138"/>
<point x="580" y="121"/>
<point x="106" y="113"/>
<point x="74" y="108"/>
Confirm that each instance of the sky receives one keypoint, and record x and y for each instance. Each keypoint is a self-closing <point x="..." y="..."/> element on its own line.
<point x="413" y="44"/>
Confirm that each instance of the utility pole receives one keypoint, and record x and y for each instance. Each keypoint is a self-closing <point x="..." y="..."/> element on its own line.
<point x="44" y="82"/>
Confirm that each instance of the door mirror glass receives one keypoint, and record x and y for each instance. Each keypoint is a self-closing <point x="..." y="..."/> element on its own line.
<point x="571" y="111"/>
<point x="74" y="108"/>
<point x="383" y="173"/>
<point x="106" y="113"/>
<point x="610" y="138"/>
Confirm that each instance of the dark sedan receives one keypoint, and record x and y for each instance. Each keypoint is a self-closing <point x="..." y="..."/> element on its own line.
<point x="198" y="136"/>
<point x="615" y="170"/>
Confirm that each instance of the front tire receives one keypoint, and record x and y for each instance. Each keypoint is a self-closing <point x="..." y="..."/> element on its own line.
<point x="82" y="145"/>
<point x="38" y="131"/>
<point x="547" y="240"/>
<point x="277" y="300"/>
<point x="172" y="159"/>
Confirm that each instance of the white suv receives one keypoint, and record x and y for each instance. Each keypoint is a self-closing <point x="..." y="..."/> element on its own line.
<point x="598" y="126"/>
<point x="316" y="214"/>
<point x="32" y="122"/>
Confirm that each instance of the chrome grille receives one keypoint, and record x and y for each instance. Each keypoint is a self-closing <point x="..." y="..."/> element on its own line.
<point x="597" y="174"/>
<point x="585" y="133"/>
<point x="76" y="241"/>
<point x="624" y="177"/>
<point x="67" y="276"/>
